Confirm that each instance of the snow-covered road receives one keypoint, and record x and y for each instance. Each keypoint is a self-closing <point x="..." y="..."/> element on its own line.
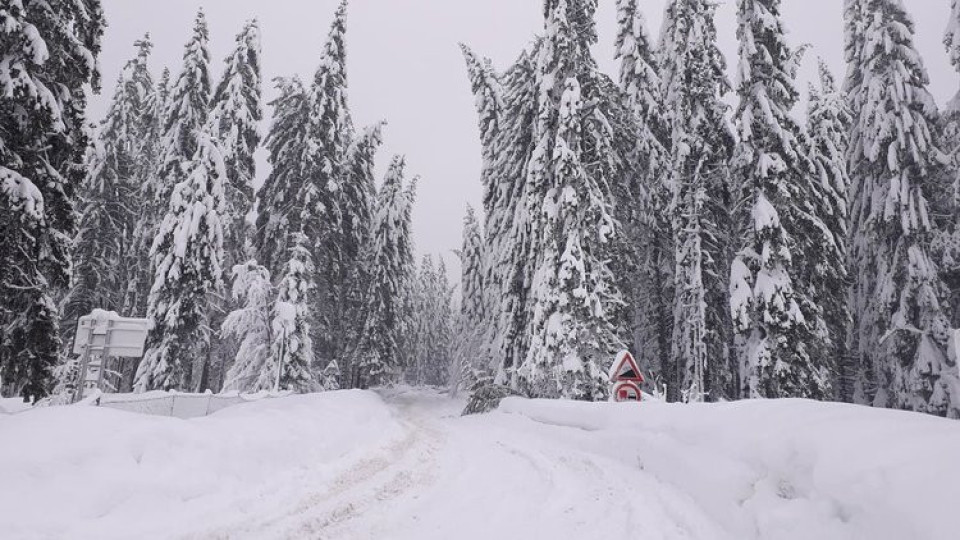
<point x="449" y="477"/>
<point x="405" y="465"/>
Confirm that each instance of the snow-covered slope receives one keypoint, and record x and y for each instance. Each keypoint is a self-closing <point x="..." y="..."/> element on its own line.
<point x="86" y="472"/>
<point x="405" y="465"/>
<point x="787" y="469"/>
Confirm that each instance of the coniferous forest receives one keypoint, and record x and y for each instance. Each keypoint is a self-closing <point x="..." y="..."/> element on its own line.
<point x="686" y="210"/>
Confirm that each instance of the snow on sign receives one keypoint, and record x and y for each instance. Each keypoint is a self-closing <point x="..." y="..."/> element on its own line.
<point x="626" y="378"/>
<point x="122" y="337"/>
<point x="102" y="335"/>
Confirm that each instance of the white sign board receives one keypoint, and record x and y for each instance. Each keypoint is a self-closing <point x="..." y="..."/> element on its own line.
<point x="118" y="337"/>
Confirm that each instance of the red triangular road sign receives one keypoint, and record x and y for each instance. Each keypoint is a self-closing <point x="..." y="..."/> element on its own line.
<point x="625" y="369"/>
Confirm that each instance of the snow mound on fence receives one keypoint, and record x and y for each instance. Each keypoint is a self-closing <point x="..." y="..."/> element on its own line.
<point x="780" y="469"/>
<point x="92" y="472"/>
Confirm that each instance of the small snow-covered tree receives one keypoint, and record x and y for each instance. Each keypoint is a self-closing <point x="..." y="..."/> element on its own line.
<point x="694" y="81"/>
<point x="49" y="58"/>
<point x="251" y="326"/>
<point x="901" y="327"/>
<point x="292" y="346"/>
<point x="330" y="377"/>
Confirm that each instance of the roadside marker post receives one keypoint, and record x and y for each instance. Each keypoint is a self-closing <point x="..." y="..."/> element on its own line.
<point x="626" y="378"/>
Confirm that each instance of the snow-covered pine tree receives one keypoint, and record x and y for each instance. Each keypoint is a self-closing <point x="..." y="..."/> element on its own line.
<point x="188" y="256"/>
<point x="640" y="81"/>
<point x="359" y="193"/>
<point x="488" y="92"/>
<point x="901" y="327"/>
<point x="251" y="325"/>
<point x="506" y="267"/>
<point x="237" y="111"/>
<point x="330" y="377"/>
<point x="498" y="196"/>
<point x="947" y="243"/>
<point x="389" y="256"/>
<point x="186" y="115"/>
<point x="443" y="346"/>
<point x="433" y="320"/>
<point x="694" y="82"/>
<point x="49" y="58"/>
<point x="775" y="315"/>
<point x="152" y="208"/>
<point x="424" y="312"/>
<point x="187" y="250"/>
<point x="828" y="126"/>
<point x="276" y="198"/>
<point x="471" y="364"/>
<point x="320" y="201"/>
<point x="647" y="228"/>
<point x="110" y="202"/>
<point x="292" y="346"/>
<point x="573" y="293"/>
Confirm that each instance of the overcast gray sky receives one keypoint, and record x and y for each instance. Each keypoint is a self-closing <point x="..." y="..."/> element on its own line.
<point x="405" y="67"/>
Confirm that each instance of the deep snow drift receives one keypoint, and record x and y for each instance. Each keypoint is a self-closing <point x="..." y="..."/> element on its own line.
<point x="404" y="465"/>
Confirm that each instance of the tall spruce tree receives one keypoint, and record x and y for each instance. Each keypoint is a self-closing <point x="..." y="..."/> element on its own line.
<point x="775" y="313"/>
<point x="499" y="195"/>
<point x="188" y="255"/>
<point x="237" y="111"/>
<point x="828" y="125"/>
<point x="692" y="74"/>
<point x="49" y="58"/>
<point x="901" y="327"/>
<point x="471" y="365"/>
<point x="389" y="255"/>
<point x="948" y="239"/>
<point x="433" y="319"/>
<point x="152" y="207"/>
<point x="647" y="226"/>
<point x="188" y="249"/>
<point x="276" y="199"/>
<point x="506" y="269"/>
<point x="321" y="201"/>
<point x="110" y="202"/>
<point x="573" y="293"/>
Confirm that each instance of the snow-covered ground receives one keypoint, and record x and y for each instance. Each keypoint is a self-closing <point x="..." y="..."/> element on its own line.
<point x="404" y="465"/>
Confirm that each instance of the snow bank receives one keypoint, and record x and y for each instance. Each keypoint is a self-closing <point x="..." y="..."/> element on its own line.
<point x="787" y="469"/>
<point x="87" y="472"/>
<point x="12" y="405"/>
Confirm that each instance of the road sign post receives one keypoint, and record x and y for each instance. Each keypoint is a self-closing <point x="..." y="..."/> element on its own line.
<point x="102" y="335"/>
<point x="626" y="379"/>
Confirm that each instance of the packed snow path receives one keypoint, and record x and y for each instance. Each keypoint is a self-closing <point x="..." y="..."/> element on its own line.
<point x="404" y="465"/>
<point x="449" y="477"/>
